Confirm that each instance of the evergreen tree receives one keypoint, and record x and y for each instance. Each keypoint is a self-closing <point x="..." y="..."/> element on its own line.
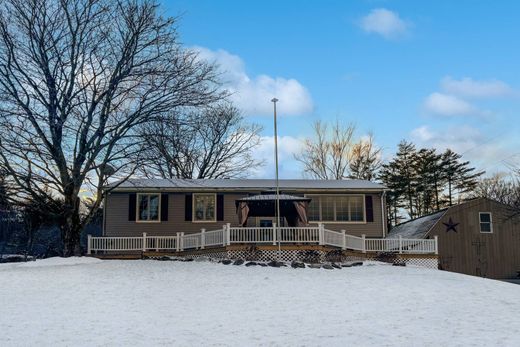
<point x="399" y="176"/>
<point x="459" y="175"/>
<point x="428" y="172"/>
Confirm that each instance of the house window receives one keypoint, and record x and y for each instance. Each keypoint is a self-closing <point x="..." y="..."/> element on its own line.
<point x="148" y="207"/>
<point x="336" y="208"/>
<point x="486" y="223"/>
<point x="204" y="207"/>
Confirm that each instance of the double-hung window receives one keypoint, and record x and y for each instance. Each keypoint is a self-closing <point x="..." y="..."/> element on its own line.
<point x="204" y="207"/>
<point x="486" y="222"/>
<point x="336" y="208"/>
<point x="148" y="207"/>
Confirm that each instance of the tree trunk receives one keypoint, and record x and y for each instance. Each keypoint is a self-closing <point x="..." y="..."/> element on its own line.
<point x="71" y="229"/>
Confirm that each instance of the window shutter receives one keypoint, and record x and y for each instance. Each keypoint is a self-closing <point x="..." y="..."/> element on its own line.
<point x="188" y="207"/>
<point x="369" y="208"/>
<point x="220" y="207"/>
<point x="164" y="207"/>
<point x="132" y="202"/>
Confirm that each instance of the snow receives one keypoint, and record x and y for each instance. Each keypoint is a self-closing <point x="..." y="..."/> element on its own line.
<point x="147" y="302"/>
<point x="416" y="228"/>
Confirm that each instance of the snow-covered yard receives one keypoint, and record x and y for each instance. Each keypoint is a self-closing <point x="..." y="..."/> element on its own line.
<point x="86" y="302"/>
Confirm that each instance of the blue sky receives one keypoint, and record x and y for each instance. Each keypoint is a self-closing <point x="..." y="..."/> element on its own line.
<point x="438" y="73"/>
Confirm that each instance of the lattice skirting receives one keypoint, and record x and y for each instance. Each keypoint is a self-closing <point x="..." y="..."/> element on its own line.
<point x="317" y="256"/>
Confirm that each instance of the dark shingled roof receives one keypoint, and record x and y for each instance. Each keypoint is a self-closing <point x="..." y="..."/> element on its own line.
<point x="416" y="228"/>
<point x="222" y="184"/>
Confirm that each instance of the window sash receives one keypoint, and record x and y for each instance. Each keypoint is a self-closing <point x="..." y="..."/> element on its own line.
<point x="148" y="207"/>
<point x="485" y="222"/>
<point x="337" y="208"/>
<point x="204" y="208"/>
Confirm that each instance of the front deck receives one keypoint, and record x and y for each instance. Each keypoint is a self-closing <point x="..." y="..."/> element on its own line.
<point x="276" y="237"/>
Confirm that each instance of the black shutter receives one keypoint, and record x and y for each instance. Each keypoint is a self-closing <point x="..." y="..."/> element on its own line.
<point x="369" y="208"/>
<point x="188" y="206"/>
<point x="164" y="207"/>
<point x="132" y="202"/>
<point x="220" y="207"/>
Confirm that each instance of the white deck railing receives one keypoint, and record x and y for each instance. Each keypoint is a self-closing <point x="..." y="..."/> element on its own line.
<point x="272" y="235"/>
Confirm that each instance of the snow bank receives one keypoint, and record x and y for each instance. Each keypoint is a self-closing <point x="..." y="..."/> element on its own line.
<point x="147" y="303"/>
<point x="55" y="261"/>
<point x="59" y="261"/>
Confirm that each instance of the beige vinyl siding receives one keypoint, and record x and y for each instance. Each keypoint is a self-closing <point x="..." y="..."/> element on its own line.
<point x="117" y="223"/>
<point x="468" y="251"/>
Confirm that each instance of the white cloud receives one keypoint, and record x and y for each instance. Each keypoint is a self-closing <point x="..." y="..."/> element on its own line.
<point x="483" y="152"/>
<point x="253" y="94"/>
<point x="468" y="87"/>
<point x="458" y="138"/>
<point x="385" y="23"/>
<point x="288" y="166"/>
<point x="448" y="105"/>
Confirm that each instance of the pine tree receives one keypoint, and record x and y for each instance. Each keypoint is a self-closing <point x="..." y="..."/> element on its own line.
<point x="459" y="175"/>
<point x="429" y="180"/>
<point x="400" y="177"/>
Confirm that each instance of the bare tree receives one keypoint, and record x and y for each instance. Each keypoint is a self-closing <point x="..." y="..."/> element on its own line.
<point x="500" y="188"/>
<point x="212" y="142"/>
<point x="329" y="153"/>
<point x="77" y="78"/>
<point x="365" y="161"/>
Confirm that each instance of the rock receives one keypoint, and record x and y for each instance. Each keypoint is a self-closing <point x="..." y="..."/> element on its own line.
<point x="226" y="261"/>
<point x="163" y="258"/>
<point x="297" y="265"/>
<point x="262" y="264"/>
<point x="399" y="264"/>
<point x="275" y="263"/>
<point x="352" y="263"/>
<point x="251" y="263"/>
<point x="315" y="266"/>
<point x="327" y="267"/>
<point x="239" y="262"/>
<point x="187" y="259"/>
<point x="336" y="266"/>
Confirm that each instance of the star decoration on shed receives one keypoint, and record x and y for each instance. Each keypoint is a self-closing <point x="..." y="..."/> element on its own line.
<point x="451" y="225"/>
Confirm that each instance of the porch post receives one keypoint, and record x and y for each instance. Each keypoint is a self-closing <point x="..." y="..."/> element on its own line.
<point x="178" y="243"/>
<point x="344" y="240"/>
<point x="400" y="244"/>
<point x="202" y="238"/>
<point x="363" y="240"/>
<point x="89" y="240"/>
<point x="228" y="233"/>
<point x="320" y="233"/>
<point x="436" y="238"/>
<point x="224" y="233"/>
<point x="182" y="241"/>
<point x="144" y="242"/>
<point x="274" y="234"/>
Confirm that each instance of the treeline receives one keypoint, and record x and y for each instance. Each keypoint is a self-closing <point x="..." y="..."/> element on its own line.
<point x="422" y="181"/>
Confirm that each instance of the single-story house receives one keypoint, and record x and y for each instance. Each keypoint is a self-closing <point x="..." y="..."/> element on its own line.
<point x="167" y="206"/>
<point x="479" y="237"/>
